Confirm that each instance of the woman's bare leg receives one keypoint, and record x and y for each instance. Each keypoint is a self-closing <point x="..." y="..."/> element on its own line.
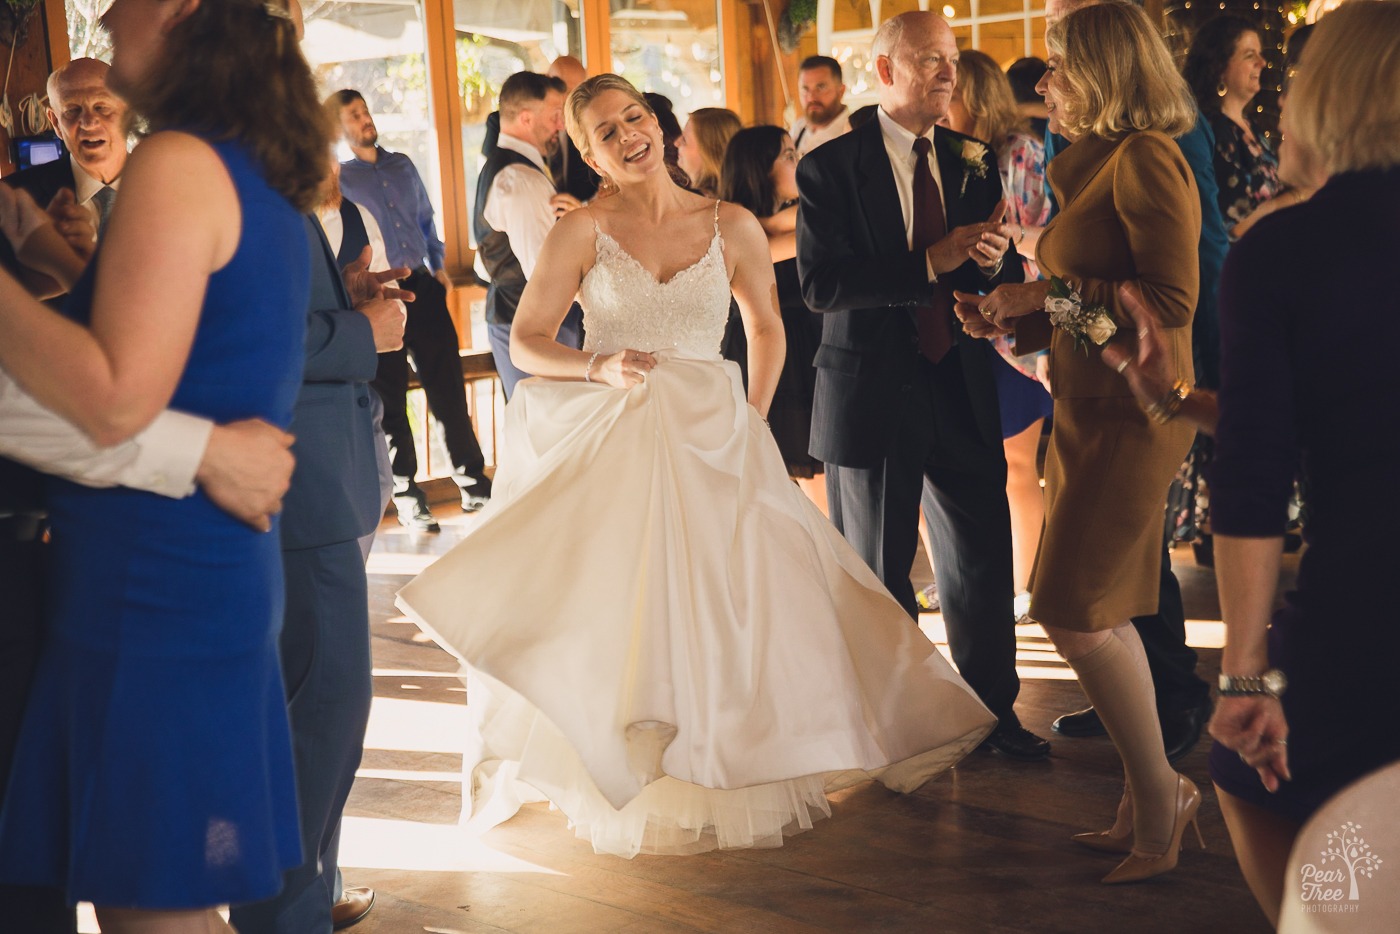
<point x="1027" y="501"/>
<point x="1262" y="842"/>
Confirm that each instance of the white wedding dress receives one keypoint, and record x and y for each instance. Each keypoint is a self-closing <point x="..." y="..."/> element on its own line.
<point x="662" y="635"/>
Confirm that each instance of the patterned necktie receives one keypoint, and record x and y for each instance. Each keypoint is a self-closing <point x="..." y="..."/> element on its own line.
<point x="935" y="321"/>
<point x="103" y="199"/>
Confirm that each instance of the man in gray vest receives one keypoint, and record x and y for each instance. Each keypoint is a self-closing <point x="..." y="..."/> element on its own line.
<point x="514" y="212"/>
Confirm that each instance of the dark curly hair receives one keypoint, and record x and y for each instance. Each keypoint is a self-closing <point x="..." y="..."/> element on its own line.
<point x="234" y="70"/>
<point x="1209" y="55"/>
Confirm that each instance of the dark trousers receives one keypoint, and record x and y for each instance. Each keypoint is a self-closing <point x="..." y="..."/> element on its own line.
<point x="1163" y="634"/>
<point x="432" y="339"/>
<point x="937" y="445"/>
<point x="570" y="335"/>
<point x="36" y="910"/>
<point x="326" y="666"/>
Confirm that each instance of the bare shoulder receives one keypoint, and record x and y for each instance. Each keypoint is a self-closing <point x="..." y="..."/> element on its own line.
<point x="573" y="237"/>
<point x="175" y="152"/>
<point x="737" y="223"/>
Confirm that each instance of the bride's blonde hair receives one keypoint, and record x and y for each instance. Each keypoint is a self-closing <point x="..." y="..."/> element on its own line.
<point x="585" y="94"/>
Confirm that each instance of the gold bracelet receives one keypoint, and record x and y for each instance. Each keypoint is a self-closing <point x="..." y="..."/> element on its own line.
<point x="1166" y="408"/>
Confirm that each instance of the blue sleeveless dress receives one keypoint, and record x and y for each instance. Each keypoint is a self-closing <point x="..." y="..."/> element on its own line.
<point x="154" y="764"/>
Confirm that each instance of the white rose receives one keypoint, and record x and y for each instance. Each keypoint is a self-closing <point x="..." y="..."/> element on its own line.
<point x="974" y="152"/>
<point x="1100" y="329"/>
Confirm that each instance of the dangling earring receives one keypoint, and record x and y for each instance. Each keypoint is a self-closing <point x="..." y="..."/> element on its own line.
<point x="1220" y="89"/>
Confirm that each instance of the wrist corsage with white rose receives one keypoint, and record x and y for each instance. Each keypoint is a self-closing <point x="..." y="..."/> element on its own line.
<point x="1085" y="323"/>
<point x="974" y="159"/>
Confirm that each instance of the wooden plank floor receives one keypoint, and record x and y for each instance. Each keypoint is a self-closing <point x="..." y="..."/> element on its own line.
<point x="983" y="848"/>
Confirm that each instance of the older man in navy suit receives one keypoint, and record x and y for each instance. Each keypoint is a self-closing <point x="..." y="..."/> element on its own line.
<point x="90" y="120"/>
<point x="893" y="216"/>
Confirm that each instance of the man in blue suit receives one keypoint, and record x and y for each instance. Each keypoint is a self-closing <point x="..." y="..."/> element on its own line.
<point x="333" y="502"/>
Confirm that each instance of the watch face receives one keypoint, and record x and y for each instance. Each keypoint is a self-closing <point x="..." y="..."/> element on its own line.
<point x="1274" y="681"/>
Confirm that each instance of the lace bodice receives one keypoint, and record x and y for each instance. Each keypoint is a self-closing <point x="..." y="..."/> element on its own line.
<point x="625" y="306"/>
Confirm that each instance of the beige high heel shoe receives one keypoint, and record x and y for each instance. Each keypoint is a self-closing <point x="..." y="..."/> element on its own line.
<point x="1138" y="865"/>
<point x="1119" y="837"/>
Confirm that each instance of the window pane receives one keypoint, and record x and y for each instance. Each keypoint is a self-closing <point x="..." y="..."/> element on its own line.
<point x="1004" y="42"/>
<point x="377" y="49"/>
<point x="1001" y="7"/>
<point x="670" y="47"/>
<point x="86" y="37"/>
<point x="495" y="39"/>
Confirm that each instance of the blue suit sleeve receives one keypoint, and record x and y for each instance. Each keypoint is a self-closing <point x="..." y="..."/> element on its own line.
<point x="339" y="347"/>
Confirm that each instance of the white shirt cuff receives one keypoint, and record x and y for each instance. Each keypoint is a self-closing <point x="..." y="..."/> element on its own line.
<point x="168" y="454"/>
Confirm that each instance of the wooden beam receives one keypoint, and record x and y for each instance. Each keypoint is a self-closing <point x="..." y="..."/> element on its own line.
<point x="56" y="27"/>
<point x="597" y="36"/>
<point x="445" y="100"/>
<point x="734" y="45"/>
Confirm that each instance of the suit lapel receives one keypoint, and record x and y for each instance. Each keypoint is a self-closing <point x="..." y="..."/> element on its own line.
<point x="879" y="198"/>
<point x="326" y="259"/>
<point x="1076" y="166"/>
<point x="952" y="172"/>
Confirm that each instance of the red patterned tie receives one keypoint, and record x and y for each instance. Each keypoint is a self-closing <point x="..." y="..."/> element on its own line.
<point x="935" y="319"/>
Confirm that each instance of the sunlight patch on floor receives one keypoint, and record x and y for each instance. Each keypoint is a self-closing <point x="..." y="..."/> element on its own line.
<point x="416" y="726"/>
<point x="374" y="843"/>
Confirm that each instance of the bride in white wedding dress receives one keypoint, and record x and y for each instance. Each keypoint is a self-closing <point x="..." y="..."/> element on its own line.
<point x="662" y="635"/>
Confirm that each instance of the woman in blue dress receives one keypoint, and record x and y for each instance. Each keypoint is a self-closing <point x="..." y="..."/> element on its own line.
<point x="153" y="775"/>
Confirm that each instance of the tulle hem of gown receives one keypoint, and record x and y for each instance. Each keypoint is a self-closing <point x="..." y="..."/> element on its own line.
<point x="669" y="817"/>
<point x="665" y="638"/>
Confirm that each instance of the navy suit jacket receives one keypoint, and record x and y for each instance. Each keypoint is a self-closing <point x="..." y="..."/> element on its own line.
<point x="334" y="495"/>
<point x="42" y="182"/>
<point x="856" y="266"/>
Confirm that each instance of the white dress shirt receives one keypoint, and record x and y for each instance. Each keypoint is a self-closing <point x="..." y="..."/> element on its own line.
<point x="334" y="227"/>
<point x="85" y="186"/>
<point x="899" y="145"/>
<point x="518" y="204"/>
<point x="807" y="138"/>
<point x="162" y="459"/>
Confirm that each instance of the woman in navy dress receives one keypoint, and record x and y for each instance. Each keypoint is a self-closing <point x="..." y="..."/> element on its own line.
<point x="153" y="775"/>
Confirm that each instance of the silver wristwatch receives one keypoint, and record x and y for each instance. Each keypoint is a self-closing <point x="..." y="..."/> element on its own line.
<point x="1271" y="683"/>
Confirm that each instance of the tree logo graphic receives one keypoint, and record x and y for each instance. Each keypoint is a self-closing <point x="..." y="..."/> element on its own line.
<point x="1345" y="859"/>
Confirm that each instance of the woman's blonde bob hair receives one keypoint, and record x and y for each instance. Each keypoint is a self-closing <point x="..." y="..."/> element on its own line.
<point x="1118" y="74"/>
<point x="1343" y="109"/>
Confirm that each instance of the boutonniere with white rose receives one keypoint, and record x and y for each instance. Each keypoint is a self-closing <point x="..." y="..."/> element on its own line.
<point x="1085" y="323"/>
<point x="974" y="159"/>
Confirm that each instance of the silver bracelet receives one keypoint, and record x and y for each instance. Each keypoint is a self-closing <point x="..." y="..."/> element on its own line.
<point x="588" y="370"/>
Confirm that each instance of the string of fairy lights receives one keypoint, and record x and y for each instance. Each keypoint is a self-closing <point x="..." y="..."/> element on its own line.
<point x="1274" y="19"/>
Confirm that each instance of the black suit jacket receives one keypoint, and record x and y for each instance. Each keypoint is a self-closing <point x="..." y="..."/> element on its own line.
<point x="42" y="182"/>
<point x="856" y="267"/>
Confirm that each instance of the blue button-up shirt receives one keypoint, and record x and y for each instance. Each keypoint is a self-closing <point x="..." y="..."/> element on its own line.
<point x="392" y="191"/>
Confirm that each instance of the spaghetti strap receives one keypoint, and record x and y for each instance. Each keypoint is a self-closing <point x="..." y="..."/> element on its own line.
<point x="717" y="202"/>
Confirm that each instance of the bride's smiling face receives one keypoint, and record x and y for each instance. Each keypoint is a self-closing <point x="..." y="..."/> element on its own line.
<point x="624" y="138"/>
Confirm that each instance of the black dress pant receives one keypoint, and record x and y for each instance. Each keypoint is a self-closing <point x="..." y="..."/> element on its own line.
<point x="432" y="339"/>
<point x="1163" y="634"/>
<point x="937" y="444"/>
<point x="32" y="910"/>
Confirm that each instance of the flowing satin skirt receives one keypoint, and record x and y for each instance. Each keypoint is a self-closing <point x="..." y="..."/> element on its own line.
<point x="666" y="639"/>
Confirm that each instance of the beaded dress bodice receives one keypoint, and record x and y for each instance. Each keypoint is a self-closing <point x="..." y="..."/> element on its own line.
<point x="625" y="306"/>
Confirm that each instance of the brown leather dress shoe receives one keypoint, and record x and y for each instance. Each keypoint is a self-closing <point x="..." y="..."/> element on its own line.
<point x="355" y="902"/>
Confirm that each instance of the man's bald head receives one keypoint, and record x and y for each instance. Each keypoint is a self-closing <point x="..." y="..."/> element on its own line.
<point x="568" y="70"/>
<point x="88" y="117"/>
